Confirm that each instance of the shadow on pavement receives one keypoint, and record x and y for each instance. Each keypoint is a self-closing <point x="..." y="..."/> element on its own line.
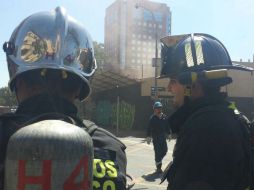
<point x="152" y="176"/>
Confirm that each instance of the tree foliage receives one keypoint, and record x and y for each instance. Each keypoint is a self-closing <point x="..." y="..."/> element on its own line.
<point x="7" y="98"/>
<point x="99" y="53"/>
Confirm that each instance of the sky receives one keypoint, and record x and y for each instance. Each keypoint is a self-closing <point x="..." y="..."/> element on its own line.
<point x="231" y="21"/>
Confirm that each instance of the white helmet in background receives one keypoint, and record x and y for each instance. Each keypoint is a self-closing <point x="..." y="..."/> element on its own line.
<point x="51" y="40"/>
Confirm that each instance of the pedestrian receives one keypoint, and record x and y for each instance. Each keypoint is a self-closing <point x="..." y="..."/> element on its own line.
<point x="212" y="147"/>
<point x="50" y="59"/>
<point x="157" y="133"/>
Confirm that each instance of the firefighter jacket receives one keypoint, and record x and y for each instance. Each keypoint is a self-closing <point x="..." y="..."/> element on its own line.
<point x="157" y="127"/>
<point x="209" y="152"/>
<point x="109" y="153"/>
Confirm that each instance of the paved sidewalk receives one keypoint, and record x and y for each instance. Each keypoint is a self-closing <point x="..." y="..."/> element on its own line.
<point x="141" y="164"/>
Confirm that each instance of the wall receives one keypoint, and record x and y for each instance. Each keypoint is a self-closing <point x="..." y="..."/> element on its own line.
<point x="243" y="84"/>
<point x="134" y="110"/>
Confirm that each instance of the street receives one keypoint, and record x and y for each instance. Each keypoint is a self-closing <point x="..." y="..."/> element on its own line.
<point x="141" y="164"/>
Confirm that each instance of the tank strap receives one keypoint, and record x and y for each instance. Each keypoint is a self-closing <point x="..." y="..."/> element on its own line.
<point x="90" y="126"/>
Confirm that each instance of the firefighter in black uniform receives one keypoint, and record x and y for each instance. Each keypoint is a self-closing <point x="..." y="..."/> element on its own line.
<point x="211" y="151"/>
<point x="50" y="60"/>
<point x="157" y="132"/>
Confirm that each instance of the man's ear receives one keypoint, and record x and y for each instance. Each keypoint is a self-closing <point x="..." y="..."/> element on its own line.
<point x="19" y="84"/>
<point x="76" y="96"/>
<point x="19" y="89"/>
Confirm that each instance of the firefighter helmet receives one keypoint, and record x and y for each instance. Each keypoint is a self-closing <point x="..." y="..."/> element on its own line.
<point x="194" y="53"/>
<point x="51" y="40"/>
<point x="157" y="105"/>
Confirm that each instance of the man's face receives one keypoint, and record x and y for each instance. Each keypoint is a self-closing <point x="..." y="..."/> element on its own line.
<point x="177" y="91"/>
<point x="157" y="111"/>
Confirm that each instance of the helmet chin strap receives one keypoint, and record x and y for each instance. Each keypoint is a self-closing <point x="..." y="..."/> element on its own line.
<point x="16" y="93"/>
<point x="187" y="94"/>
<point x="187" y="90"/>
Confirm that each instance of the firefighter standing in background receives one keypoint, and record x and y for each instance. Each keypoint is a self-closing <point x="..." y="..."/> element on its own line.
<point x="157" y="133"/>
<point x="212" y="147"/>
<point x="50" y="60"/>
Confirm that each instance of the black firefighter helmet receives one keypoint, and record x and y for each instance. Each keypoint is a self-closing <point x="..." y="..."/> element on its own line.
<point x="196" y="56"/>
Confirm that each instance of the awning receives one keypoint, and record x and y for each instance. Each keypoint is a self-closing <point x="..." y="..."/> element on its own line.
<point x="106" y="80"/>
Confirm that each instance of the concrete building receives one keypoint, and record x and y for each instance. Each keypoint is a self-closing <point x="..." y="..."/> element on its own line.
<point x="131" y="30"/>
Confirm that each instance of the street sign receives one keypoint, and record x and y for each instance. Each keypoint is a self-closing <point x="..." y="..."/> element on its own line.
<point x="159" y="89"/>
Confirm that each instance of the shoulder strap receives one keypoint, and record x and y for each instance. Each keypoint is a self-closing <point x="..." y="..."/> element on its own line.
<point x="90" y="126"/>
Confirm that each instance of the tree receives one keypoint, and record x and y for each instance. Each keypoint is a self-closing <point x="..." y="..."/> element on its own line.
<point x="99" y="54"/>
<point x="7" y="98"/>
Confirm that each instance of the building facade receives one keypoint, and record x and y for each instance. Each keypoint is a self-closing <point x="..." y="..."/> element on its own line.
<point x="131" y="31"/>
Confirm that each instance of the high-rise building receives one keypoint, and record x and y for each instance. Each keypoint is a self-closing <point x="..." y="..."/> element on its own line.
<point x="131" y="30"/>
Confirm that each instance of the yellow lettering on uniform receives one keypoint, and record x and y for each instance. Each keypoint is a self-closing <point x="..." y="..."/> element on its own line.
<point x="96" y="184"/>
<point x="102" y="171"/>
<point x="112" y="170"/>
<point x="110" y="184"/>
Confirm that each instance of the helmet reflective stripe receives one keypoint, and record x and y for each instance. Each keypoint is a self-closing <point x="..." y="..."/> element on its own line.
<point x="188" y="55"/>
<point x="199" y="52"/>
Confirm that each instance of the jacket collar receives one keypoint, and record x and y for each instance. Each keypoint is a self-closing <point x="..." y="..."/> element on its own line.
<point x="45" y="103"/>
<point x="178" y="118"/>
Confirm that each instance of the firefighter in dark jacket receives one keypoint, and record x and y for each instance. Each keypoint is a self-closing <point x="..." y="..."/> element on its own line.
<point x="50" y="60"/>
<point x="211" y="151"/>
<point x="157" y="133"/>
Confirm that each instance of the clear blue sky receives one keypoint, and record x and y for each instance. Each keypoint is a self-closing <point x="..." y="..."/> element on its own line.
<point x="231" y="21"/>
